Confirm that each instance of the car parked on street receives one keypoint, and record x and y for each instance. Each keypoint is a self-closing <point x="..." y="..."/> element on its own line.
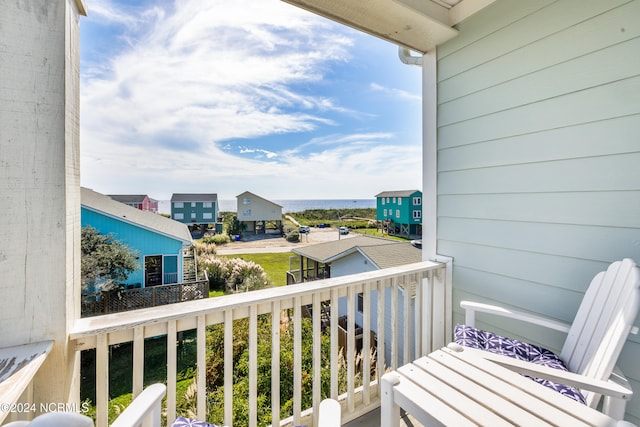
<point x="344" y="230"/>
<point x="304" y="229"/>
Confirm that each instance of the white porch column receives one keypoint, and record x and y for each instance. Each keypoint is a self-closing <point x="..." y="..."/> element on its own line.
<point x="40" y="185"/>
<point x="429" y="155"/>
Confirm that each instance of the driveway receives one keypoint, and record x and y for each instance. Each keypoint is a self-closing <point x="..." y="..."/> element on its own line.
<point x="264" y="244"/>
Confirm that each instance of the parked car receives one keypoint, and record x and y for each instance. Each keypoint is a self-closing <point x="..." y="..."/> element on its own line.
<point x="303" y="229"/>
<point x="344" y="230"/>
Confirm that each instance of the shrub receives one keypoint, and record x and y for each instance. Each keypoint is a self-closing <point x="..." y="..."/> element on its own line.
<point x="217" y="239"/>
<point x="233" y="274"/>
<point x="293" y="236"/>
<point x="203" y="248"/>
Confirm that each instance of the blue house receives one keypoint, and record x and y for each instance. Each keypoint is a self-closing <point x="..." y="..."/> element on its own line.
<point x="162" y="244"/>
<point x="400" y="212"/>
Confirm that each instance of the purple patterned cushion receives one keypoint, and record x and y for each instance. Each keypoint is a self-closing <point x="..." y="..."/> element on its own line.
<point x="469" y="336"/>
<point x="187" y="422"/>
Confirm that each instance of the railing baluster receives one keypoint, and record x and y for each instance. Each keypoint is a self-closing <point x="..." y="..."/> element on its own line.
<point x="317" y="355"/>
<point x="201" y="357"/>
<point x="138" y="360"/>
<point x="102" y="381"/>
<point x="406" y="317"/>
<point x="171" y="370"/>
<point x="297" y="360"/>
<point x="228" y="367"/>
<point x="381" y="333"/>
<point x="366" y="343"/>
<point x="394" y="323"/>
<point x="275" y="362"/>
<point x="334" y="344"/>
<point x="351" y="347"/>
<point x="253" y="366"/>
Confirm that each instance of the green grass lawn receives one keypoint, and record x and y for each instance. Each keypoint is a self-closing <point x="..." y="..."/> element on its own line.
<point x="275" y="265"/>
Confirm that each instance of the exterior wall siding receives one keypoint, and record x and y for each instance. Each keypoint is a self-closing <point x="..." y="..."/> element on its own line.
<point x="538" y="154"/>
<point x="145" y="242"/>
<point x="194" y="212"/>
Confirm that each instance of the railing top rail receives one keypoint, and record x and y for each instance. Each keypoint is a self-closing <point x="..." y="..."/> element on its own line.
<point x="91" y="326"/>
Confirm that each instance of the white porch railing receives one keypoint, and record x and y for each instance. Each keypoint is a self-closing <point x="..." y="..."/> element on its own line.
<point x="432" y="320"/>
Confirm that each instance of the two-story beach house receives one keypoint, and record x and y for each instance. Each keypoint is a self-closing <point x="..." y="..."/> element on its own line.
<point x="259" y="214"/>
<point x="531" y="117"/>
<point x="195" y="209"/>
<point x="138" y="201"/>
<point x="400" y="212"/>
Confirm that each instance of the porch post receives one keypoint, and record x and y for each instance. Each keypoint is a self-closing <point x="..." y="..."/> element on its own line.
<point x="429" y="154"/>
<point x="40" y="187"/>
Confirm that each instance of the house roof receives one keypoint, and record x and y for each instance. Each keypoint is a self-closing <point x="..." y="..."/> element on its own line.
<point x="399" y="193"/>
<point x="383" y="253"/>
<point x="257" y="197"/>
<point x="185" y="197"/>
<point x="128" y="198"/>
<point x="151" y="221"/>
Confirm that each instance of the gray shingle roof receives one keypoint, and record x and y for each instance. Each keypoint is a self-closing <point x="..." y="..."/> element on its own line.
<point x="128" y="198"/>
<point x="384" y="253"/>
<point x="399" y="193"/>
<point x="185" y="197"/>
<point x="151" y="221"/>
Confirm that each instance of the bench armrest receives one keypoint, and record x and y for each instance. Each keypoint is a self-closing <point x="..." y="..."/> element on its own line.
<point x="144" y="410"/>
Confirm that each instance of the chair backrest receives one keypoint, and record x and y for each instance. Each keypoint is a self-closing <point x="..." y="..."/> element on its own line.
<point x="603" y="322"/>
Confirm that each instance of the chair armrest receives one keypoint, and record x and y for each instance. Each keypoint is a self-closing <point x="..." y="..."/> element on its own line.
<point x="145" y="407"/>
<point x="618" y="389"/>
<point x="330" y="413"/>
<point x="471" y="308"/>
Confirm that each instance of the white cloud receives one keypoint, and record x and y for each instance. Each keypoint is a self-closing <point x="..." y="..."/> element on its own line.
<point x="396" y="93"/>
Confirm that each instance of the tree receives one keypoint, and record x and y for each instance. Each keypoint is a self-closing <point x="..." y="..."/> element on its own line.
<point x="105" y="261"/>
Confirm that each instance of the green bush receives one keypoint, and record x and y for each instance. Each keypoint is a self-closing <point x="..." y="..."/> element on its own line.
<point x="233" y="274"/>
<point x="217" y="239"/>
<point x="293" y="236"/>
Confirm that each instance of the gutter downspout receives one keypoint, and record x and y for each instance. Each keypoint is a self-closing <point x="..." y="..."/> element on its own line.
<point x="406" y="58"/>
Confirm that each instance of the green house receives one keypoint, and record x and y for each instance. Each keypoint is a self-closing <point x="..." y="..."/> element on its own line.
<point x="194" y="209"/>
<point x="400" y="212"/>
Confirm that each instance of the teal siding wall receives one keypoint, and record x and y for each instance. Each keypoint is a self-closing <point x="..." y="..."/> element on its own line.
<point x="145" y="242"/>
<point x="399" y="205"/>
<point x="194" y="212"/>
<point x="539" y="157"/>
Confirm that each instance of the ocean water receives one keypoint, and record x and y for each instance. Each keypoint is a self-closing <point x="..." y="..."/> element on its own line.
<point x="164" y="206"/>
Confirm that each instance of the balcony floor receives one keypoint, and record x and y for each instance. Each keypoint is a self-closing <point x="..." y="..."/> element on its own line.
<point x="372" y="419"/>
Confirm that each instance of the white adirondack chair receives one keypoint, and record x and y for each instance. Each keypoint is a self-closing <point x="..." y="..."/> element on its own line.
<point x="594" y="340"/>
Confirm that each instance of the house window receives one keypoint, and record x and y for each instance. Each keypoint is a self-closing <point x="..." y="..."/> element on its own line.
<point x="387" y="200"/>
<point x="397" y="213"/>
<point x="207" y="205"/>
<point x="178" y="216"/>
<point x="399" y="201"/>
<point x="246" y="201"/>
<point x="385" y="212"/>
<point x="382" y="201"/>
<point x="417" y="201"/>
<point x="360" y="303"/>
<point x="394" y="200"/>
<point x="178" y="205"/>
<point x="246" y="212"/>
<point x="417" y="214"/>
<point x="193" y="215"/>
<point x="207" y="215"/>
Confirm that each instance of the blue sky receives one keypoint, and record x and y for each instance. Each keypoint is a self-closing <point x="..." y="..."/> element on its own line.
<point x="227" y="96"/>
